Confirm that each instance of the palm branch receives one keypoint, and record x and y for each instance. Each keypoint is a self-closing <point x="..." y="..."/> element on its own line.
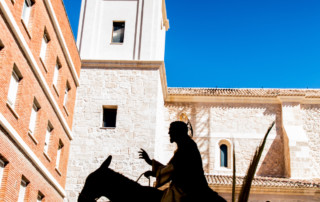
<point x="245" y="189"/>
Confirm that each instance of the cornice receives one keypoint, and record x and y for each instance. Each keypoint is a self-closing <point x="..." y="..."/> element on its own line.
<point x="268" y="190"/>
<point x="238" y="95"/>
<point x="299" y="99"/>
<point x="221" y="99"/>
<point x="238" y="99"/>
<point x="131" y="64"/>
<point x="164" y="16"/>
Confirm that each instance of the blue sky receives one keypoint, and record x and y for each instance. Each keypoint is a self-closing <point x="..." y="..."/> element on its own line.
<point x="239" y="43"/>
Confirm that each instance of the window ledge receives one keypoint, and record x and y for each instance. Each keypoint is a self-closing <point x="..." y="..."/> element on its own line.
<point x="33" y="137"/>
<point x="58" y="171"/>
<point x="26" y="28"/>
<point x="65" y="109"/>
<point x="44" y="65"/>
<point x="223" y="169"/>
<point x="116" y="43"/>
<point x="105" y="128"/>
<point x="47" y="156"/>
<point x="12" y="110"/>
<point x="55" y="89"/>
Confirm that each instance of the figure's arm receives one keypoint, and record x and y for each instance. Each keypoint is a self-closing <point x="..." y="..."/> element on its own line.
<point x="162" y="173"/>
<point x="144" y="155"/>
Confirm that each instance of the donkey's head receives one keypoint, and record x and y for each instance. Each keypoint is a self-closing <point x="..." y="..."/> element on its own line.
<point x="93" y="188"/>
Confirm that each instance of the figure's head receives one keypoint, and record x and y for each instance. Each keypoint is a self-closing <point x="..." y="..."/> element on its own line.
<point x="94" y="185"/>
<point x="178" y="131"/>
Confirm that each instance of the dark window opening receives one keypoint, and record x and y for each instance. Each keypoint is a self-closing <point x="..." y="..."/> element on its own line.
<point x="118" y="32"/>
<point x="224" y="156"/>
<point x="1" y="45"/>
<point x="109" y="117"/>
<point x="40" y="196"/>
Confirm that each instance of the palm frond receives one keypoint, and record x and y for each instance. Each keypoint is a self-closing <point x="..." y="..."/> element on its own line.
<point x="245" y="189"/>
<point x="234" y="176"/>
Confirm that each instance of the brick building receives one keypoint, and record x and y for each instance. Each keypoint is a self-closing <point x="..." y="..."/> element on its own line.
<point x="39" y="68"/>
<point x="124" y="104"/>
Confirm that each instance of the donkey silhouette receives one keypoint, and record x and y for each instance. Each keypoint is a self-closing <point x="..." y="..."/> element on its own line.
<point x="116" y="187"/>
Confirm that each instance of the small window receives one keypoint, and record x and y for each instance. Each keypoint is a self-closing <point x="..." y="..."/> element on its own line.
<point x="44" y="44"/>
<point x="118" y="32"/>
<point x="109" y="117"/>
<point x="27" y="5"/>
<point x="23" y="189"/>
<point x="13" y="86"/>
<point x="223" y="155"/>
<point x="33" y="117"/>
<point x="1" y="45"/>
<point x="47" y="138"/>
<point x="40" y="197"/>
<point x="56" y="73"/>
<point x="60" y="147"/>
<point x="3" y="163"/>
<point x="68" y="88"/>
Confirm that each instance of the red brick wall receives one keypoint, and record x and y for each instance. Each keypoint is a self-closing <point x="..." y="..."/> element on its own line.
<point x="59" y="8"/>
<point x="29" y="88"/>
<point x="39" y="20"/>
<point x="19" y="165"/>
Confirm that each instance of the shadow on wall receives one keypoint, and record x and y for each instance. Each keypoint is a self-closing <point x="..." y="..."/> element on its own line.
<point x="274" y="164"/>
<point x="235" y="118"/>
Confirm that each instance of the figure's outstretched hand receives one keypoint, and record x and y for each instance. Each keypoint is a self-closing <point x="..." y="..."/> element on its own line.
<point x="143" y="155"/>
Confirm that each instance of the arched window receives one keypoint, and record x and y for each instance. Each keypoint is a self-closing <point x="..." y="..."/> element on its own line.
<point x="223" y="155"/>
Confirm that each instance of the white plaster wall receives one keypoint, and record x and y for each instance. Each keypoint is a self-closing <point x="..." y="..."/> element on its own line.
<point x="144" y="34"/>
<point x="153" y="40"/>
<point x="158" y="154"/>
<point x="97" y="35"/>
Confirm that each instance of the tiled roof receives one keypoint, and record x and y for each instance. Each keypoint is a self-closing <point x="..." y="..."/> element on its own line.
<point x="263" y="182"/>
<point x="244" y="92"/>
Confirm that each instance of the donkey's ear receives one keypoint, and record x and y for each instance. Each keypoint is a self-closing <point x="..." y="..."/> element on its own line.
<point x="106" y="163"/>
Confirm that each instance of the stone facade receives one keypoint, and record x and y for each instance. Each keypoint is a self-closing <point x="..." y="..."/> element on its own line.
<point x="129" y="77"/>
<point x="144" y="114"/>
<point x="241" y="124"/>
<point x="136" y="94"/>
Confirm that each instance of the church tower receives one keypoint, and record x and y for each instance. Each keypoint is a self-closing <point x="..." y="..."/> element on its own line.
<point x="122" y="30"/>
<point x="120" y="101"/>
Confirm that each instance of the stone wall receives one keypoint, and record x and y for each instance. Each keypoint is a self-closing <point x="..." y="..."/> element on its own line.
<point x="241" y="124"/>
<point x="136" y="94"/>
<point x="311" y="125"/>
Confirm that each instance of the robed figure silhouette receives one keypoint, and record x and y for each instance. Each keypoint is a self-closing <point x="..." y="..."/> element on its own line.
<point x="184" y="171"/>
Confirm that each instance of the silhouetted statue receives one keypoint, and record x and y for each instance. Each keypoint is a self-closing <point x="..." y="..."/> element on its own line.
<point x="184" y="170"/>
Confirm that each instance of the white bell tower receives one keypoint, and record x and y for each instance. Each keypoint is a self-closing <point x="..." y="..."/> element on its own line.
<point x="122" y="30"/>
